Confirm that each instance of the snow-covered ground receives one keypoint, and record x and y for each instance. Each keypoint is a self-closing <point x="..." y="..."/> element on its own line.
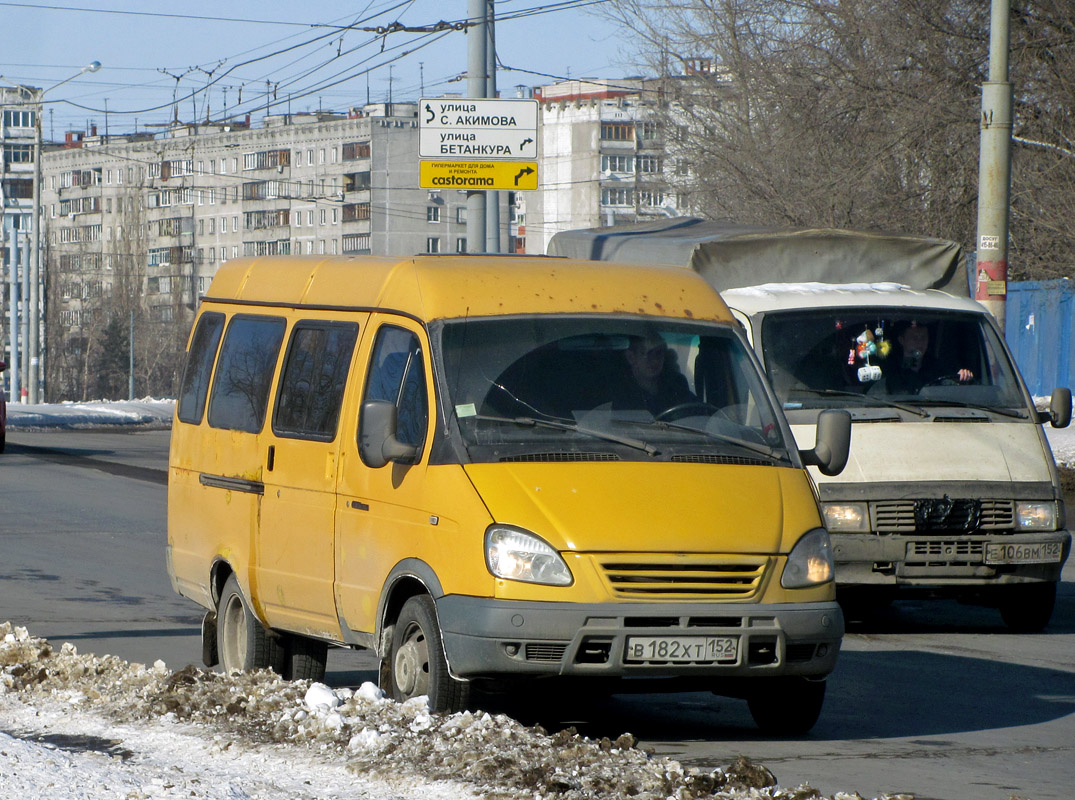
<point x="82" y="727"/>
<point x="102" y="413"/>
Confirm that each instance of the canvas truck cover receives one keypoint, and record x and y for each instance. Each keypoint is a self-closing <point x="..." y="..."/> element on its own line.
<point x="730" y="255"/>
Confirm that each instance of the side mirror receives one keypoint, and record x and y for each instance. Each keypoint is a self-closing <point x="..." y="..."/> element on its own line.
<point x="377" y="442"/>
<point x="1059" y="413"/>
<point x="3" y="366"/>
<point x="832" y="444"/>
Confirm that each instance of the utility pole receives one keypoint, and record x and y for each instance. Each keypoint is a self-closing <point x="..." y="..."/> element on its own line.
<point x="13" y="308"/>
<point x="477" y="86"/>
<point x="492" y="201"/>
<point x="995" y="171"/>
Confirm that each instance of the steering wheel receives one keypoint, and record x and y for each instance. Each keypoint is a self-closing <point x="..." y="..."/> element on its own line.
<point x="692" y="408"/>
<point x="950" y="379"/>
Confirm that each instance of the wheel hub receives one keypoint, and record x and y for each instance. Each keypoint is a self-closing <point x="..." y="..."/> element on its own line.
<point x="411" y="666"/>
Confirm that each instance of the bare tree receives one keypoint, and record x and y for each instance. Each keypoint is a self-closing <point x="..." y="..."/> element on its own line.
<point x="864" y="113"/>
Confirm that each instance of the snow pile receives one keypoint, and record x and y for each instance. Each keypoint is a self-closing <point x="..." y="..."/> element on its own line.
<point x="359" y="733"/>
<point x="147" y="412"/>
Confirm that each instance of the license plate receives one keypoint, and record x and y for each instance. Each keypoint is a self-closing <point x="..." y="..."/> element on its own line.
<point x="1028" y="553"/>
<point x="682" y="649"/>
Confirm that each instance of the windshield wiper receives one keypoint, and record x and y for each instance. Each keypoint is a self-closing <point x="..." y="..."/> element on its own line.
<point x="959" y="404"/>
<point x="865" y="398"/>
<point x="532" y="422"/>
<point x="760" y="449"/>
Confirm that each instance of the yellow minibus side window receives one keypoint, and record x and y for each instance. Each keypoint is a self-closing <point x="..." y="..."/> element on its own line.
<point x="397" y="374"/>
<point x="313" y="380"/>
<point x="244" y="373"/>
<point x="199" y="367"/>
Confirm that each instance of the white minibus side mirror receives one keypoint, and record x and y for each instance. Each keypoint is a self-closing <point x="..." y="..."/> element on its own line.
<point x="377" y="442"/>
<point x="832" y="443"/>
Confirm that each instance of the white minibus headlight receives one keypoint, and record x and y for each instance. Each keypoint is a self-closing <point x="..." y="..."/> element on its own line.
<point x="809" y="562"/>
<point x="846" y="517"/>
<point x="1038" y="515"/>
<point x="517" y="555"/>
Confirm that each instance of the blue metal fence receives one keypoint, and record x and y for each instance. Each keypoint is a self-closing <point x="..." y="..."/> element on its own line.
<point x="1039" y="317"/>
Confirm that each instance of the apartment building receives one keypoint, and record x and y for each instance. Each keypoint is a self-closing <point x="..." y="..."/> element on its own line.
<point x="18" y="119"/>
<point x="604" y="158"/>
<point x="151" y="217"/>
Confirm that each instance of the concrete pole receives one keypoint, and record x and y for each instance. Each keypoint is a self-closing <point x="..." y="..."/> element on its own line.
<point x="33" y="340"/>
<point x="477" y="40"/>
<point x="13" y="313"/>
<point x="130" y="358"/>
<point x="492" y="199"/>
<point x="27" y="313"/>
<point x="995" y="171"/>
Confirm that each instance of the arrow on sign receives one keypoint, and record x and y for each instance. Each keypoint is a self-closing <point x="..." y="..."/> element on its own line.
<point x="522" y="172"/>
<point x="432" y="114"/>
<point x="525" y="142"/>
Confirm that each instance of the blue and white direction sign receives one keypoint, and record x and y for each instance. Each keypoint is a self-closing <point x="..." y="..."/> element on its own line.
<point x="477" y="129"/>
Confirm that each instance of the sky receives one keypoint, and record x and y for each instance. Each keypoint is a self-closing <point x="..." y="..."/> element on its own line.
<point x="212" y="58"/>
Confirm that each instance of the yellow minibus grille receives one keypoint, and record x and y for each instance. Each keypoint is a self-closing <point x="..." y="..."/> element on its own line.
<point x="657" y="577"/>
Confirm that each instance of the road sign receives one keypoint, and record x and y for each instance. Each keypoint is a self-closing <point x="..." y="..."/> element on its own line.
<point x="470" y="128"/>
<point x="478" y="175"/>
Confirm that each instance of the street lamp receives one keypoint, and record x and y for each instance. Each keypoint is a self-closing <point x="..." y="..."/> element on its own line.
<point x="37" y="98"/>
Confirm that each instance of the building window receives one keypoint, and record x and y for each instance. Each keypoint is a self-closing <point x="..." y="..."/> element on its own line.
<point x="432" y="213"/>
<point x="648" y="131"/>
<point x="432" y="244"/>
<point x="616" y="164"/>
<point x="461" y="215"/>
<point x="617" y="131"/>
<point x="355" y="211"/>
<point x="356" y="243"/>
<point x="18" y="119"/>
<point x="651" y="199"/>
<point x="617" y="197"/>
<point x="650" y="164"/>
<point x="461" y="244"/>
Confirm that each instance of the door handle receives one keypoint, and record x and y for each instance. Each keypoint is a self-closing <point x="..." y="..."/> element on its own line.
<point x="270" y="459"/>
<point x="358" y="505"/>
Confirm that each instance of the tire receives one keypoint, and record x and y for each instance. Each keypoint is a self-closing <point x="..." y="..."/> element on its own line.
<point x="416" y="662"/>
<point x="3" y="441"/>
<point x="1028" y="608"/>
<point x="305" y="659"/>
<point x="787" y="706"/>
<point x="243" y="643"/>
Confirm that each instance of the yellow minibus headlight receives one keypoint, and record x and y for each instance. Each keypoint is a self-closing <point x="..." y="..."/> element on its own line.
<point x="518" y="555"/>
<point x="809" y="562"/>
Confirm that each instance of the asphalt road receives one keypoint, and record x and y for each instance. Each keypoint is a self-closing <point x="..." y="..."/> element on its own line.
<point x="932" y="699"/>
